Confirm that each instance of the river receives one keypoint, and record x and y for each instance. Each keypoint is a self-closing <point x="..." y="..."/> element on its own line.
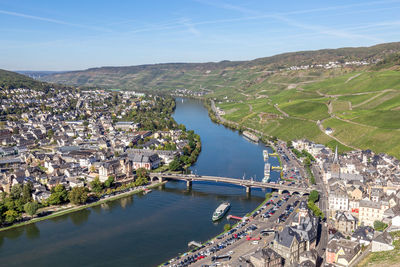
<point x="145" y="230"/>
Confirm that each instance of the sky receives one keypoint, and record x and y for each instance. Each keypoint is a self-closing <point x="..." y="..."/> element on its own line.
<point x="75" y="35"/>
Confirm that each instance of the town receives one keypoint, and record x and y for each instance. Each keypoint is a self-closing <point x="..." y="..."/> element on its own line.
<point x="358" y="196"/>
<point x="60" y="149"/>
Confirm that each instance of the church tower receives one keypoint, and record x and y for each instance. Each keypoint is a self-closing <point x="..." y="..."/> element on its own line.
<point x="335" y="166"/>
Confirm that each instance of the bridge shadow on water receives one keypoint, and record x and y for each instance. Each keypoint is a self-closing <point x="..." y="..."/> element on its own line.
<point x="213" y="190"/>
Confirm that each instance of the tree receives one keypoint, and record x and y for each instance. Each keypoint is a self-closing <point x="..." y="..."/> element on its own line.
<point x="227" y="227"/>
<point x="31" y="208"/>
<point x="50" y="133"/>
<point x="182" y="127"/>
<point x="380" y="226"/>
<point x="268" y="195"/>
<point x="58" y="195"/>
<point x="142" y="177"/>
<point x="314" y="196"/>
<point x="289" y="144"/>
<point x="175" y="165"/>
<point x="109" y="182"/>
<point x="11" y="216"/>
<point x="92" y="168"/>
<point x="27" y="192"/>
<point x="16" y="192"/>
<point x="96" y="185"/>
<point x="307" y="162"/>
<point x="142" y="173"/>
<point x="78" y="195"/>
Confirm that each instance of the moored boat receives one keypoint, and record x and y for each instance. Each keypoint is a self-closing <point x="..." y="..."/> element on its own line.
<point x="221" y="211"/>
<point x="265" y="155"/>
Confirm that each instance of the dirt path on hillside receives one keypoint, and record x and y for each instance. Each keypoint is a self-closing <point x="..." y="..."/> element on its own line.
<point x="352" y="77"/>
<point x="281" y="111"/>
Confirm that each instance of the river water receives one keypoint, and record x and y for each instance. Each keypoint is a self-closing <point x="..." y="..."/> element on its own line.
<point x="146" y="230"/>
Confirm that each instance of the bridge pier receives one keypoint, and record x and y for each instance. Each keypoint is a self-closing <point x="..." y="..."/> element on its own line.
<point x="248" y="190"/>
<point x="189" y="184"/>
<point x="280" y="191"/>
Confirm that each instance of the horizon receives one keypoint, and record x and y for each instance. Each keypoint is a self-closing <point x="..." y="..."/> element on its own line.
<point x="197" y="62"/>
<point x="52" y="36"/>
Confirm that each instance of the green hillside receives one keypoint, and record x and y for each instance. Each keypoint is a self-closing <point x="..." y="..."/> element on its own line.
<point x="360" y="102"/>
<point x="11" y="80"/>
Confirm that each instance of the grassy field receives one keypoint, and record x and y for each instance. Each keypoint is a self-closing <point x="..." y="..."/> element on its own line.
<point x="384" y="258"/>
<point x="311" y="110"/>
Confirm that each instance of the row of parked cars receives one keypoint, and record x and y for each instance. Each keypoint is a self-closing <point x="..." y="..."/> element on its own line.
<point x="286" y="213"/>
<point x="230" y="237"/>
<point x="274" y="206"/>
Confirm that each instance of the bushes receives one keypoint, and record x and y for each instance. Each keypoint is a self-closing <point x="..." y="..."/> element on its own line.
<point x="380" y="226"/>
<point x="312" y="198"/>
<point x="311" y="175"/>
<point x="78" y="195"/>
<point x="314" y="208"/>
<point x="31" y="208"/>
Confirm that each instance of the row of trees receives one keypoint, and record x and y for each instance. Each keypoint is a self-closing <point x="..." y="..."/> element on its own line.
<point x="19" y="200"/>
<point x="312" y="198"/>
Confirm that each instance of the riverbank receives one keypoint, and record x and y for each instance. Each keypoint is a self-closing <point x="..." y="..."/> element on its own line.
<point x="187" y="253"/>
<point x="216" y="118"/>
<point x="78" y="208"/>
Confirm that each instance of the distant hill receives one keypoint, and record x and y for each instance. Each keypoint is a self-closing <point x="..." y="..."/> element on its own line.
<point x="37" y="74"/>
<point x="195" y="76"/>
<point x="9" y="80"/>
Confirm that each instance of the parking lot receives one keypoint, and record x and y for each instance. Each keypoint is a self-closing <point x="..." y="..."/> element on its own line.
<point x="246" y="237"/>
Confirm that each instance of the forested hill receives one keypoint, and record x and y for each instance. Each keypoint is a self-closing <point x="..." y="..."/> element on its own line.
<point x="198" y="76"/>
<point x="10" y="80"/>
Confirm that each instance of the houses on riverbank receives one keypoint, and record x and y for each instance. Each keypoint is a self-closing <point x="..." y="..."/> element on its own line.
<point x="69" y="138"/>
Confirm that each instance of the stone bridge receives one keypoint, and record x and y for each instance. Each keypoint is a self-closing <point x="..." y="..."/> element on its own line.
<point x="189" y="178"/>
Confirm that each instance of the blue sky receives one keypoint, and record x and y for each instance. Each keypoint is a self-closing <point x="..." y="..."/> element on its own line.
<point x="71" y="35"/>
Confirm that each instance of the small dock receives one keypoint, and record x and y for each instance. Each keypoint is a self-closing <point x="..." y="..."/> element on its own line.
<point x="276" y="168"/>
<point x="234" y="217"/>
<point x="195" y="244"/>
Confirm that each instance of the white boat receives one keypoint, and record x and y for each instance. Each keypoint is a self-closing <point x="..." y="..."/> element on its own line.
<point x="221" y="210"/>
<point x="250" y="136"/>
<point x="265" y="155"/>
<point x="267" y="171"/>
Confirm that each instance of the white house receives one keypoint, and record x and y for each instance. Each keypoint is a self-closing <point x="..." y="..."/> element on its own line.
<point x="382" y="242"/>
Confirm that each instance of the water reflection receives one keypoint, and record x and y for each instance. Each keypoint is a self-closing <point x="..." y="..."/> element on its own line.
<point x="14" y="233"/>
<point x="32" y="231"/>
<point x="59" y="219"/>
<point x="126" y="202"/>
<point x="80" y="217"/>
<point x="97" y="209"/>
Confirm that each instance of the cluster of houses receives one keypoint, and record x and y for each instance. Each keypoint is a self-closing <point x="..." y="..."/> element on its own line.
<point x="363" y="189"/>
<point x="50" y="145"/>
<point x="294" y="245"/>
<point x="329" y="65"/>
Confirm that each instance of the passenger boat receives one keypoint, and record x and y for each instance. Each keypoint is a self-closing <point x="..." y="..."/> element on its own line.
<point x="221" y="211"/>
<point x="250" y="136"/>
<point x="265" y="155"/>
<point x="267" y="171"/>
